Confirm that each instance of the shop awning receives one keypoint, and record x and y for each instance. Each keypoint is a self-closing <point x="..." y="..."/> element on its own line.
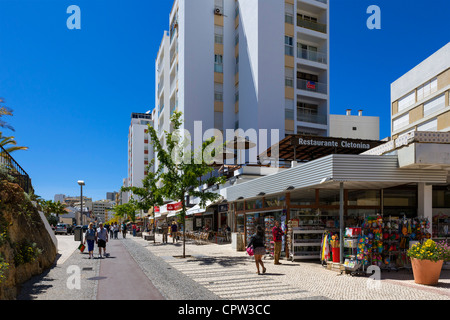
<point x="356" y="171"/>
<point x="196" y="209"/>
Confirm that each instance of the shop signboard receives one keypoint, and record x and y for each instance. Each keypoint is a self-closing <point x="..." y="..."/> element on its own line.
<point x="174" y="206"/>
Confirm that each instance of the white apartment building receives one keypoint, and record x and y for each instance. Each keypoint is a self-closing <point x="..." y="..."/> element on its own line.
<point x="248" y="64"/>
<point x="355" y="126"/>
<point x="420" y="98"/>
<point x="139" y="149"/>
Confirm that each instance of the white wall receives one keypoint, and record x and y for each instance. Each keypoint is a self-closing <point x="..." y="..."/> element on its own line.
<point x="366" y="127"/>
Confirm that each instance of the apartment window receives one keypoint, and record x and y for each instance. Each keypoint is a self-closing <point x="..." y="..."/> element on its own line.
<point x="407" y="101"/>
<point x="428" y="126"/>
<point x="289" y="77"/>
<point x="218" y="92"/>
<point x="288" y="46"/>
<point x="426" y="89"/>
<point x="289" y="13"/>
<point x="400" y="122"/>
<point x="218" y="120"/>
<point x="307" y="76"/>
<point x="306" y="17"/>
<point x="236" y="39"/>
<point x="218" y="34"/>
<point x="218" y="63"/>
<point x="236" y="70"/>
<point x="289" y="109"/>
<point x="236" y="93"/>
<point x="434" y="105"/>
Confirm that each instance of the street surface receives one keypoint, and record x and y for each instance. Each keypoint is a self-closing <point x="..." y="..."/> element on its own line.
<point x="137" y="269"/>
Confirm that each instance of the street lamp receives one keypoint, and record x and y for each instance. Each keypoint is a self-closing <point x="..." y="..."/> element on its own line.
<point x="81" y="183"/>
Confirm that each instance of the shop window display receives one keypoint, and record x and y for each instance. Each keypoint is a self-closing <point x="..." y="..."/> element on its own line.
<point x="304" y="197"/>
<point x="329" y="197"/>
<point x="277" y="201"/>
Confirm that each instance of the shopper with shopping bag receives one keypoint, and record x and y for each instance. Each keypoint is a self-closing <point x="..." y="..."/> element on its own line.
<point x="259" y="250"/>
<point x="89" y="237"/>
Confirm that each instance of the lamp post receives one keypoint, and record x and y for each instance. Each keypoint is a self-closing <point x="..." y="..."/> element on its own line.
<point x="81" y="183"/>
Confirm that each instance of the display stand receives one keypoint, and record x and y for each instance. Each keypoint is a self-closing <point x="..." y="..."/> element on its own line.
<point x="305" y="244"/>
<point x="351" y="263"/>
<point x="269" y="223"/>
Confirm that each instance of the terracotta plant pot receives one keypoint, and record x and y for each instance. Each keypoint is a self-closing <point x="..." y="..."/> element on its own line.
<point x="426" y="272"/>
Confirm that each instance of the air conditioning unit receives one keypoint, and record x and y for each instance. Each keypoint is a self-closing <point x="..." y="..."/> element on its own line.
<point x="218" y="11"/>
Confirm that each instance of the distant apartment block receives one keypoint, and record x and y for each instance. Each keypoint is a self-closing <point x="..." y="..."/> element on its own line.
<point x="420" y="98"/>
<point x="139" y="148"/>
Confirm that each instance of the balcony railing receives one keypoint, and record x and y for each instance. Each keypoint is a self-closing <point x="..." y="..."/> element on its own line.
<point x="312" y="55"/>
<point x="316" y="26"/>
<point x="312" y="86"/>
<point x="312" y="118"/>
<point x="15" y="170"/>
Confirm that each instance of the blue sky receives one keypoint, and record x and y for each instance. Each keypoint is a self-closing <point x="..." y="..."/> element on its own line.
<point x="73" y="91"/>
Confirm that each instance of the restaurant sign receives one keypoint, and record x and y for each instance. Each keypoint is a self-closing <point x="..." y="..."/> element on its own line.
<point x="334" y="143"/>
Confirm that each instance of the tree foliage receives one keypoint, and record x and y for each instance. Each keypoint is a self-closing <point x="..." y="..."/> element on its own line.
<point x="180" y="168"/>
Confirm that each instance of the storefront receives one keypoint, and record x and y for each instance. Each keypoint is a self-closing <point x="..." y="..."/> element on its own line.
<point x="390" y="203"/>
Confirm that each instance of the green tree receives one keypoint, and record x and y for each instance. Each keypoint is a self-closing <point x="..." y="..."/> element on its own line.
<point x="10" y="144"/>
<point x="49" y="207"/>
<point x="149" y="195"/>
<point x="126" y="210"/>
<point x="5" y="111"/>
<point x="181" y="168"/>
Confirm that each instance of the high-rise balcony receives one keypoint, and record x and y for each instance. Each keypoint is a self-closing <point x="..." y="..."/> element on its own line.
<point x="312" y="25"/>
<point x="312" y="55"/>
<point x="311" y="118"/>
<point x="312" y="86"/>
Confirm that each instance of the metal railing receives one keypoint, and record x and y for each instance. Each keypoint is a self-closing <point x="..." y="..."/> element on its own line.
<point x="312" y="118"/>
<point x="15" y="170"/>
<point x="312" y="55"/>
<point x="312" y="86"/>
<point x="316" y="26"/>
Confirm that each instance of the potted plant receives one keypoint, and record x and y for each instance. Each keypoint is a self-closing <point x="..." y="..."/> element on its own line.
<point x="427" y="259"/>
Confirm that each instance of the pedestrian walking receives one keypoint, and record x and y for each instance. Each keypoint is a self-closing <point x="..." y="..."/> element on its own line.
<point x="134" y="230"/>
<point x="174" y="231"/>
<point x="89" y="237"/>
<point x="165" y="230"/>
<point x="111" y="231"/>
<point x="102" y="239"/>
<point x="116" y="230"/>
<point x="259" y="249"/>
<point x="124" y="230"/>
<point x="277" y="234"/>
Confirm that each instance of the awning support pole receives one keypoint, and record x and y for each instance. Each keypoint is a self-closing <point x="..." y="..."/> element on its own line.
<point x="341" y="222"/>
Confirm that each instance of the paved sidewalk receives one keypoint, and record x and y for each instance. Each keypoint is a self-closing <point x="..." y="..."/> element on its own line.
<point x="121" y="278"/>
<point x="232" y="275"/>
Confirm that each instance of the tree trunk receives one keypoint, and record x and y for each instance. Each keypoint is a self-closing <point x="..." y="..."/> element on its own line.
<point x="183" y="215"/>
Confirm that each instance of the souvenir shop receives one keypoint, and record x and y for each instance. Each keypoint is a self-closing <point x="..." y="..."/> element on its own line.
<point x="355" y="209"/>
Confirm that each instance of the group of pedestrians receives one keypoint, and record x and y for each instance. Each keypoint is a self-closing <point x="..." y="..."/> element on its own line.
<point x="114" y="230"/>
<point x="100" y="237"/>
<point x="259" y="249"/>
<point x="173" y="231"/>
<point x="97" y="236"/>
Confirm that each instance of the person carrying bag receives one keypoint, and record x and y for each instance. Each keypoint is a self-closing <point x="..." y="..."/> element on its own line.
<point x="259" y="250"/>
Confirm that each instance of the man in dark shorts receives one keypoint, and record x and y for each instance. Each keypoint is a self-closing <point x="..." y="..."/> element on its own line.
<point x="102" y="239"/>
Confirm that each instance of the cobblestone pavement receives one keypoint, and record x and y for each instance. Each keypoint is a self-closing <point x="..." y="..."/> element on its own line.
<point x="232" y="275"/>
<point x="217" y="272"/>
